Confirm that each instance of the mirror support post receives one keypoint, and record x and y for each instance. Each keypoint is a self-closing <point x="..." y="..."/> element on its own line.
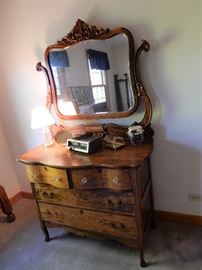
<point x="49" y="99"/>
<point x="142" y="94"/>
<point x="148" y="106"/>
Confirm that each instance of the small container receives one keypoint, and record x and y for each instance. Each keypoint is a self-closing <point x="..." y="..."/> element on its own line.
<point x="47" y="136"/>
<point x="136" y="135"/>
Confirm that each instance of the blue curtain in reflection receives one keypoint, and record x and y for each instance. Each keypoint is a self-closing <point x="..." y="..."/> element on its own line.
<point x="59" y="59"/>
<point x="98" y="60"/>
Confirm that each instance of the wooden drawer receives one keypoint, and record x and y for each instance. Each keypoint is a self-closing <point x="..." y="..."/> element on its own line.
<point x="111" y="224"/>
<point x="43" y="174"/>
<point x="98" y="178"/>
<point x="122" y="202"/>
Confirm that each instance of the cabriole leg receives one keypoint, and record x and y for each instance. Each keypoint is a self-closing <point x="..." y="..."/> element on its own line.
<point x="142" y="260"/>
<point x="45" y="231"/>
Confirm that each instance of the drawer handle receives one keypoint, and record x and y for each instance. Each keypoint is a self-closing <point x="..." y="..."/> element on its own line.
<point x="115" y="180"/>
<point x="57" y="179"/>
<point x="118" y="226"/>
<point x="110" y="204"/>
<point x="48" y="195"/>
<point x="99" y="220"/>
<point x="34" y="176"/>
<point x="84" y="180"/>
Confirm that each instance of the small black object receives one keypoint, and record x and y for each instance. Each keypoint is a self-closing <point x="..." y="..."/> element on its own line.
<point x="136" y="138"/>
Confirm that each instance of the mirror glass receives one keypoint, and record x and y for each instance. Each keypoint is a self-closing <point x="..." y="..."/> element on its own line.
<point x="93" y="76"/>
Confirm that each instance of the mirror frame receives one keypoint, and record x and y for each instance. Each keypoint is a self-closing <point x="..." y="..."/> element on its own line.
<point x="83" y="32"/>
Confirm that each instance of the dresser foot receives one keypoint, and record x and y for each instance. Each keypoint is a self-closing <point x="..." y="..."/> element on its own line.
<point x="47" y="237"/>
<point x="142" y="260"/>
<point x="143" y="263"/>
<point x="46" y="233"/>
<point x="11" y="218"/>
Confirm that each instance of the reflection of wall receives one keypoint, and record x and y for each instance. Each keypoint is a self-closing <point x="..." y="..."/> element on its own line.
<point x="171" y="73"/>
<point x="120" y="56"/>
<point x="78" y="74"/>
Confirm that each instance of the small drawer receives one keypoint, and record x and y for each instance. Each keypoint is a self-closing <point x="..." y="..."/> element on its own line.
<point x="105" y="223"/>
<point x="117" y="179"/>
<point x="119" y="202"/>
<point x="98" y="178"/>
<point x="44" y="174"/>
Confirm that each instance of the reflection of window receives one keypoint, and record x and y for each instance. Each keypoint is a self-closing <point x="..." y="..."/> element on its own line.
<point x="98" y="83"/>
<point x="98" y="64"/>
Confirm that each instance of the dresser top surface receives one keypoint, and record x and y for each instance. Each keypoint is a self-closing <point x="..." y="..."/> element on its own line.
<point x="59" y="156"/>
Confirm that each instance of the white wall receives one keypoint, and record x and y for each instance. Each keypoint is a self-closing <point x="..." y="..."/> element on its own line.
<point x="172" y="75"/>
<point x="8" y="178"/>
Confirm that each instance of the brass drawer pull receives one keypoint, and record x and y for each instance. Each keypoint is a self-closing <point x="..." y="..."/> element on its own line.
<point x="110" y="204"/>
<point x="99" y="220"/>
<point x="57" y="179"/>
<point x="84" y="180"/>
<point x="48" y="195"/>
<point x="115" y="180"/>
<point x="34" y="176"/>
<point x="118" y="225"/>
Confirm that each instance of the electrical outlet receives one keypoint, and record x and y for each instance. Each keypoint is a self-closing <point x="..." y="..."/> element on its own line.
<point x="195" y="197"/>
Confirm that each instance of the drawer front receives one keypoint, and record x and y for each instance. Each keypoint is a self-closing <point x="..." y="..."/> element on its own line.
<point x="122" y="202"/>
<point x="44" y="174"/>
<point x="109" y="224"/>
<point x="98" y="178"/>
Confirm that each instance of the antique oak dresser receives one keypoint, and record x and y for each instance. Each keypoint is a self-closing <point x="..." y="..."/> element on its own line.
<point x="107" y="193"/>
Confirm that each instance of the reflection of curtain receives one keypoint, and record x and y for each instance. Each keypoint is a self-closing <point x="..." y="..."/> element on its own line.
<point x="59" y="59"/>
<point x="98" y="60"/>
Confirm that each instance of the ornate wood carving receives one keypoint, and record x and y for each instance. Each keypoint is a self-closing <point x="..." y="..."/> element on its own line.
<point x="82" y="31"/>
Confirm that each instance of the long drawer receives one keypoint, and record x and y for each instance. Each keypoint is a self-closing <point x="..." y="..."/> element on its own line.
<point x="101" y="178"/>
<point x="109" y="224"/>
<point x="45" y="174"/>
<point x="100" y="200"/>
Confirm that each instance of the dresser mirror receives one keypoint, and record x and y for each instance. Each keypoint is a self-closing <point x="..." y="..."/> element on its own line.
<point x="94" y="73"/>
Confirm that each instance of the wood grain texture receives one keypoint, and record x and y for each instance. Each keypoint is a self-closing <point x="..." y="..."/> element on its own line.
<point x="108" y="193"/>
<point x="85" y="219"/>
<point x="102" y="178"/>
<point x="59" y="157"/>
<point x="44" y="174"/>
<point x="120" y="202"/>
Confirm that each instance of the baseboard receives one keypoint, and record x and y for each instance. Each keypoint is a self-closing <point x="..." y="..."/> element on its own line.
<point x="20" y="195"/>
<point x="15" y="198"/>
<point x="27" y="195"/>
<point x="179" y="218"/>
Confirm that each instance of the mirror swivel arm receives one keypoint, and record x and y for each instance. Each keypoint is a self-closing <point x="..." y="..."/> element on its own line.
<point x="141" y="92"/>
<point x="145" y="46"/>
<point x="148" y="106"/>
<point x="49" y="98"/>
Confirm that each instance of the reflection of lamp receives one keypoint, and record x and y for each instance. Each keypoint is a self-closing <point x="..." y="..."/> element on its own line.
<point x="41" y="118"/>
<point x="66" y="107"/>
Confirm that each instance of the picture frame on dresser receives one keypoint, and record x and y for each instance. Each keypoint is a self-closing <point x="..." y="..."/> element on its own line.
<point x="108" y="193"/>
